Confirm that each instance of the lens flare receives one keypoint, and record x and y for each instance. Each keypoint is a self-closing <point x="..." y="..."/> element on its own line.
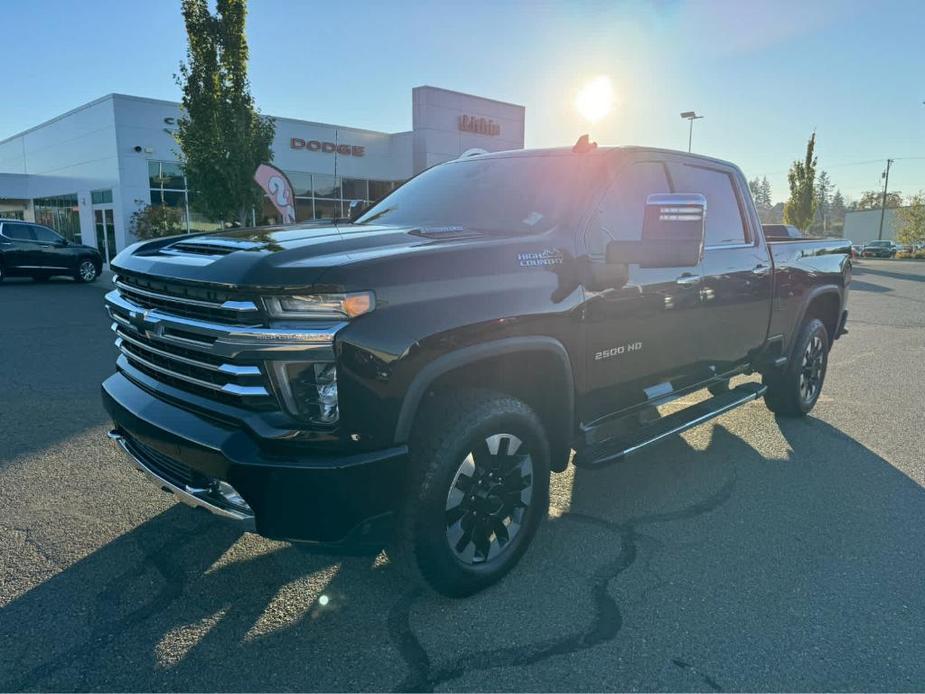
<point x="595" y="99"/>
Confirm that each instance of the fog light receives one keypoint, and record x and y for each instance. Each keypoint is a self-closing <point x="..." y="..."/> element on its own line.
<point x="308" y="389"/>
<point x="230" y="495"/>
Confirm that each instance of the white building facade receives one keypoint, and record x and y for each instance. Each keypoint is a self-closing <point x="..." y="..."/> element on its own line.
<point x="86" y="172"/>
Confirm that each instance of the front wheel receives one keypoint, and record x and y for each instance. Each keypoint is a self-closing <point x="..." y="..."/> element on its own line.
<point x="794" y="391"/>
<point x="479" y="489"/>
<point x="86" y="271"/>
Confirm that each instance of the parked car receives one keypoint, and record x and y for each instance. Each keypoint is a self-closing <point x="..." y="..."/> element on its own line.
<point x="413" y="377"/>
<point x="879" y="249"/>
<point x="33" y="250"/>
<point x="781" y="232"/>
<point x="903" y="248"/>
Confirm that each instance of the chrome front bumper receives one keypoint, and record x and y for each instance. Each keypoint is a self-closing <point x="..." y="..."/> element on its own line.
<point x="194" y="497"/>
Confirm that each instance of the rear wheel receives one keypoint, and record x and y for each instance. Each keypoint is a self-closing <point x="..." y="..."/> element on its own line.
<point x="86" y="271"/>
<point x="794" y="391"/>
<point x="478" y="491"/>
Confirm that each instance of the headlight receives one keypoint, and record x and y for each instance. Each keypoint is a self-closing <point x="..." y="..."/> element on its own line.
<point x="308" y="389"/>
<point x="320" y="306"/>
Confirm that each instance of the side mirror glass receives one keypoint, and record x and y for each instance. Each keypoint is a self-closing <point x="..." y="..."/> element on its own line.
<point x="672" y="233"/>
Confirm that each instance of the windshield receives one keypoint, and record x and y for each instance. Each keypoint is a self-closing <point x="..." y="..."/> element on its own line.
<point x="517" y="194"/>
<point x="879" y="243"/>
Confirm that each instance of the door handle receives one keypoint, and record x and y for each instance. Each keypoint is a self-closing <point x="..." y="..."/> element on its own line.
<point x="760" y="269"/>
<point x="688" y="279"/>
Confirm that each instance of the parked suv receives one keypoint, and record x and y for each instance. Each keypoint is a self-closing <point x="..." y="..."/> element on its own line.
<point x="879" y="249"/>
<point x="33" y="250"/>
<point x="413" y="377"/>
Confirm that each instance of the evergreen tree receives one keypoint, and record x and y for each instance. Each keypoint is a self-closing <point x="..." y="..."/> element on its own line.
<point x="766" y="192"/>
<point x="801" y="207"/>
<point x="837" y="208"/>
<point x="222" y="136"/>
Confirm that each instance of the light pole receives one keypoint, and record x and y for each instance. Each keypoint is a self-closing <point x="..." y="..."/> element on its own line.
<point x="691" y="116"/>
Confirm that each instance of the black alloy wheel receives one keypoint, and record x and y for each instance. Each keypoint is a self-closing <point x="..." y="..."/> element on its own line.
<point x="489" y="498"/>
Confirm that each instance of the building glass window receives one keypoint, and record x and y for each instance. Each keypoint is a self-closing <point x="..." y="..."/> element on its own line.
<point x="355" y="189"/>
<point x="326" y="186"/>
<point x="60" y="213"/>
<point x="379" y="189"/>
<point x="325" y="197"/>
<point x="101" y="197"/>
<point x="168" y="186"/>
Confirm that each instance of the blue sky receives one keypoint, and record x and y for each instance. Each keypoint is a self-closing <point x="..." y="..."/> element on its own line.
<point x="764" y="74"/>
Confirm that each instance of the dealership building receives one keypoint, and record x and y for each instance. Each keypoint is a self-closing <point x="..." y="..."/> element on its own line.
<point x="86" y="172"/>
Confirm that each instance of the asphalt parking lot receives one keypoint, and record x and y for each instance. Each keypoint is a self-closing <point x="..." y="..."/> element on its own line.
<point x="749" y="554"/>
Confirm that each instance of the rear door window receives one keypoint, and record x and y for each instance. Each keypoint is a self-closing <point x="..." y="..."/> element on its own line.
<point x="724" y="221"/>
<point x="45" y="235"/>
<point x="20" y="232"/>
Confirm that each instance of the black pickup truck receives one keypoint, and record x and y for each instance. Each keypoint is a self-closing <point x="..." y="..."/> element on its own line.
<point x="413" y="377"/>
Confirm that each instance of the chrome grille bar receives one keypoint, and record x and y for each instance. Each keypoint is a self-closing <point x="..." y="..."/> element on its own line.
<point x="230" y="388"/>
<point x="239" y="306"/>
<point x="230" y="369"/>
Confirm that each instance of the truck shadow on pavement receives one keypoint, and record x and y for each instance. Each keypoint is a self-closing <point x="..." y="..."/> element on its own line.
<point x="706" y="567"/>
<point x="57" y="349"/>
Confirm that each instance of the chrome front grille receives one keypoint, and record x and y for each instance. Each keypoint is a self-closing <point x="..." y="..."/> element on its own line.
<point x="186" y="300"/>
<point x="226" y="362"/>
<point x="189" y="369"/>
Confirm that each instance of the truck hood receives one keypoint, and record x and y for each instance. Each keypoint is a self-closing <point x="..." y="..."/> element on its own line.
<point x="277" y="257"/>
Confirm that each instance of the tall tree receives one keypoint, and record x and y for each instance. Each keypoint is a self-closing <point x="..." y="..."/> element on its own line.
<point x="823" y="199"/>
<point x="801" y="207"/>
<point x="766" y="192"/>
<point x="838" y="207"/>
<point x="873" y="199"/>
<point x="221" y="133"/>
<point x="912" y="220"/>
<point x="761" y="194"/>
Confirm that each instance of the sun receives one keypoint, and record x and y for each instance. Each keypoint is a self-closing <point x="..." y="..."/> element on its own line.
<point x="595" y="99"/>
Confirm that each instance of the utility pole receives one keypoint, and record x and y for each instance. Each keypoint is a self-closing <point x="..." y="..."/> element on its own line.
<point x="886" y="183"/>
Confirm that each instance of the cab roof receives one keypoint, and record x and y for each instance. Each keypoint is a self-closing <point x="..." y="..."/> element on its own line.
<point x="600" y="150"/>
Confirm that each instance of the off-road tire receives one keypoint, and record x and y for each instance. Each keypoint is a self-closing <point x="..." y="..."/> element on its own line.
<point x="452" y="425"/>
<point x="785" y="396"/>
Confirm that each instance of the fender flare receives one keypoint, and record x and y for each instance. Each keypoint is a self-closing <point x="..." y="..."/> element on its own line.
<point x="811" y="296"/>
<point x="474" y="353"/>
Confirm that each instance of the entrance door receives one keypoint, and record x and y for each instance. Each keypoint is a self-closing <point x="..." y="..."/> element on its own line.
<point x="105" y="232"/>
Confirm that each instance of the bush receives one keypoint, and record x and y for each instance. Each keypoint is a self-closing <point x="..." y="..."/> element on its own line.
<point x="155" y="221"/>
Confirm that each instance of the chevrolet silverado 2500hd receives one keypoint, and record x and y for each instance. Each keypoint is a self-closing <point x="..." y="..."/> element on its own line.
<point x="413" y="376"/>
